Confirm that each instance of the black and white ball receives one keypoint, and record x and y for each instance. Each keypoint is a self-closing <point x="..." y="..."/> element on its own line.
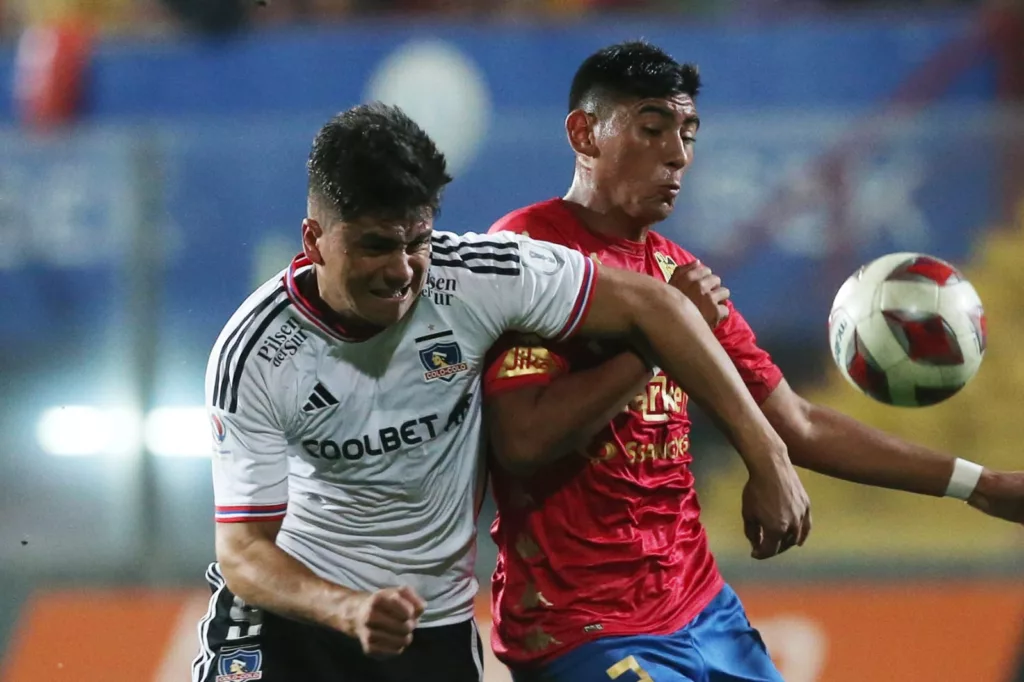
<point x="907" y="329"/>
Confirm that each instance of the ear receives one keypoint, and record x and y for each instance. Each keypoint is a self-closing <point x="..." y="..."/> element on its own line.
<point x="579" y="128"/>
<point x="311" y="234"/>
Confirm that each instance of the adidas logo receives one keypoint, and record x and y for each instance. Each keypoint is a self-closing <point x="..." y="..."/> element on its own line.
<point x="319" y="399"/>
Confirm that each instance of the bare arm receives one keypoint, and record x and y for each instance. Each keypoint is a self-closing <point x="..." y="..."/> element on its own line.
<point x="833" y="444"/>
<point x="534" y="425"/>
<point x="627" y="302"/>
<point x="826" y="441"/>
<point x="264" y="575"/>
<point x="776" y="508"/>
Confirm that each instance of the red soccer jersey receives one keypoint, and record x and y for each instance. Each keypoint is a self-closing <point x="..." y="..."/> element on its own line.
<point x="607" y="542"/>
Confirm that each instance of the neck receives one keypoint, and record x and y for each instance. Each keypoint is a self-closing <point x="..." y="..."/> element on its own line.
<point x="598" y="214"/>
<point x="334" y="311"/>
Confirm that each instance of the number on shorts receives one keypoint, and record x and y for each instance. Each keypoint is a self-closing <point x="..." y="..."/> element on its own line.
<point x="629" y="663"/>
<point x="244" y="616"/>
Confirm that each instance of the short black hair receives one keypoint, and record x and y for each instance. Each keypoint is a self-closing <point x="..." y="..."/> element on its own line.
<point x="634" y="69"/>
<point x="373" y="160"/>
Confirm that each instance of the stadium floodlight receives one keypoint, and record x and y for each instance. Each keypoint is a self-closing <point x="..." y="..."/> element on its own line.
<point x="178" y="432"/>
<point x="84" y="431"/>
<point x="81" y="430"/>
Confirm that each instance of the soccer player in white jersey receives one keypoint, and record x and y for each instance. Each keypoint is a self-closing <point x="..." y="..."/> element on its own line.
<point x="346" y="409"/>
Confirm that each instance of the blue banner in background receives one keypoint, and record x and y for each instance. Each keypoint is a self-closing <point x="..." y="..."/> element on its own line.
<point x="838" y="62"/>
<point x="66" y="212"/>
<point x="795" y="183"/>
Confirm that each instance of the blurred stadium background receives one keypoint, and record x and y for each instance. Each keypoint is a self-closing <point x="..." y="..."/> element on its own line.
<point x="152" y="172"/>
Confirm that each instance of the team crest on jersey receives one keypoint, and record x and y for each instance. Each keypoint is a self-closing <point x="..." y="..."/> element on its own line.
<point x="240" y="665"/>
<point x="666" y="263"/>
<point x="220" y="432"/>
<point x="442" y="361"/>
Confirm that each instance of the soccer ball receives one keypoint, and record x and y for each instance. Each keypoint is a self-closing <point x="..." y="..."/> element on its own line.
<point x="907" y="329"/>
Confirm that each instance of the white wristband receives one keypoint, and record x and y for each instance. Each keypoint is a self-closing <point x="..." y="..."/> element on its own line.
<point x="964" y="479"/>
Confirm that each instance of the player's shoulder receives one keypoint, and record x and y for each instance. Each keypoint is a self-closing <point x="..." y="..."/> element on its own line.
<point x="259" y="347"/>
<point x="539" y="221"/>
<point x="471" y="254"/>
<point x="659" y="243"/>
<point x="268" y="300"/>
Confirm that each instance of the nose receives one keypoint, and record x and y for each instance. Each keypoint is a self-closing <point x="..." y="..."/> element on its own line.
<point x="678" y="153"/>
<point x="398" y="271"/>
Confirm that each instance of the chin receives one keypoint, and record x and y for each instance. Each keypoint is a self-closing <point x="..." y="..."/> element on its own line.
<point x="656" y="213"/>
<point x="385" y="314"/>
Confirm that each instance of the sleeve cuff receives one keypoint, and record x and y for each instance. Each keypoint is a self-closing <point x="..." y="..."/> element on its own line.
<point x="246" y="513"/>
<point x="582" y="305"/>
<point x="763" y="389"/>
<point x="498" y="386"/>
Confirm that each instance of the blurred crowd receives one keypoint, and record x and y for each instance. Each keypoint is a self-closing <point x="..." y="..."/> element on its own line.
<point x="212" y="16"/>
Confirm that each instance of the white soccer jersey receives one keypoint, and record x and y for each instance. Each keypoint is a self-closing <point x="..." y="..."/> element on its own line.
<point x="371" y="451"/>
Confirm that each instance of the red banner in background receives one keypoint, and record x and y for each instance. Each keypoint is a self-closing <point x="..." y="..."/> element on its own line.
<point x="823" y="633"/>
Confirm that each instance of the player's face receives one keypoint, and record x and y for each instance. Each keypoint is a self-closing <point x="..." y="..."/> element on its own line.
<point x="645" y="148"/>
<point x="374" y="271"/>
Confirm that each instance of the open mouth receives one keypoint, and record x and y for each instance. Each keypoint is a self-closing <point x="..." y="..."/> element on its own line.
<point x="392" y="294"/>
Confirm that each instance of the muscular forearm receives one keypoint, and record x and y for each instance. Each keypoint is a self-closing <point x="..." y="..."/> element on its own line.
<point x="577" y="406"/>
<point x="836" y="445"/>
<point x="266" y="576"/>
<point x="691" y="355"/>
<point x="565" y="414"/>
<point x="775" y="505"/>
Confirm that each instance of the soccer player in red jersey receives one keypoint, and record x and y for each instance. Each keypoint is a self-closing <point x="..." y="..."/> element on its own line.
<point x="604" y="566"/>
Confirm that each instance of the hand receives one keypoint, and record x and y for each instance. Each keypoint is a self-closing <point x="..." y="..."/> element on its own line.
<point x="385" y="620"/>
<point x="1000" y="494"/>
<point x="704" y="289"/>
<point x="776" y="511"/>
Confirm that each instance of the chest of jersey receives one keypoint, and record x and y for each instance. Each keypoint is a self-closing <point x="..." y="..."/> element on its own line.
<point x="393" y="403"/>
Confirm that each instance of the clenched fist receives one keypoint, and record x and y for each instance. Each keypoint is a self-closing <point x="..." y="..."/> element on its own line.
<point x="776" y="510"/>
<point x="704" y="288"/>
<point x="384" y="620"/>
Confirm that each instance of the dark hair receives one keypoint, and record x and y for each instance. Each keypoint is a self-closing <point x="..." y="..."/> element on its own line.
<point x="373" y="160"/>
<point x="634" y="69"/>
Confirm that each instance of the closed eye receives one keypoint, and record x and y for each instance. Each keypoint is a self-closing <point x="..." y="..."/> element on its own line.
<point x="376" y="245"/>
<point x="419" y="244"/>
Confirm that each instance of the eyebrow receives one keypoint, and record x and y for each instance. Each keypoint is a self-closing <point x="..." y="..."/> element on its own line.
<point x="385" y="237"/>
<point x="665" y="112"/>
<point x="376" y="239"/>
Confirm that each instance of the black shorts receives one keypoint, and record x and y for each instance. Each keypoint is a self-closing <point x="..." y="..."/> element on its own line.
<point x="239" y="643"/>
